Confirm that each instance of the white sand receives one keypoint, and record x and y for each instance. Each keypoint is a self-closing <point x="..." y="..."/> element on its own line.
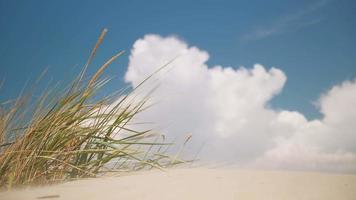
<point x="200" y="183"/>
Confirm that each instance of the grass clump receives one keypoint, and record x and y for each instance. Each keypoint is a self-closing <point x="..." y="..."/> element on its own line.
<point x="70" y="134"/>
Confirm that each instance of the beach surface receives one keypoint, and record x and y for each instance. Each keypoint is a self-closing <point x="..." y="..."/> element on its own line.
<point x="200" y="183"/>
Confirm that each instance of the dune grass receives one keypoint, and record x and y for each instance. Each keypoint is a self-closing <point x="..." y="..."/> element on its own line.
<point x="72" y="134"/>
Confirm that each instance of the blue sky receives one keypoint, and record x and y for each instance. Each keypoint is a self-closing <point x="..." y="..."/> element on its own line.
<point x="313" y="42"/>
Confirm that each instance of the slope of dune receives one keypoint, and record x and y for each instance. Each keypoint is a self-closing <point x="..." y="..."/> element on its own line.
<point x="200" y="183"/>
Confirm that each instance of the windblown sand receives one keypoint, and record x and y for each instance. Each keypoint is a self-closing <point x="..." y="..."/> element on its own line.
<point x="200" y="183"/>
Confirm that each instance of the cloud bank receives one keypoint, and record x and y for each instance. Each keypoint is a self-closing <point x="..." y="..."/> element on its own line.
<point x="226" y="110"/>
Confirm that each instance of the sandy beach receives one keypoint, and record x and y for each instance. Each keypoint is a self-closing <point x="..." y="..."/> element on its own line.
<point x="200" y="183"/>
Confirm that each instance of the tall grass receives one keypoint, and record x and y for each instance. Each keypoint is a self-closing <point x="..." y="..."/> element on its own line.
<point x="73" y="134"/>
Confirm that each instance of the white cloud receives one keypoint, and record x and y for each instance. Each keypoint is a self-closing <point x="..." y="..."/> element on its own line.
<point x="329" y="143"/>
<point x="226" y="109"/>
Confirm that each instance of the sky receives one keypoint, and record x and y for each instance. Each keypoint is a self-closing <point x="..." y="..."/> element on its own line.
<point x="266" y="83"/>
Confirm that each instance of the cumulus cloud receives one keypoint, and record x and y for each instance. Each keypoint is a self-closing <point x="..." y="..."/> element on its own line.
<point x="328" y="143"/>
<point x="226" y="110"/>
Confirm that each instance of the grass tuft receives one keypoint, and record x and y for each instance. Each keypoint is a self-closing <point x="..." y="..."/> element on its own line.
<point x="73" y="134"/>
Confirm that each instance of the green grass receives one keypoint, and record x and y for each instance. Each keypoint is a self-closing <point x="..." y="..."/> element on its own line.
<point x="71" y="134"/>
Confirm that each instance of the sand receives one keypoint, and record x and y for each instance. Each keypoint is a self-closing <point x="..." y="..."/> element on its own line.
<point x="200" y="183"/>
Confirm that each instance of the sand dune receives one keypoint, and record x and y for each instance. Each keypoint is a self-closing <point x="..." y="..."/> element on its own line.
<point x="201" y="183"/>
